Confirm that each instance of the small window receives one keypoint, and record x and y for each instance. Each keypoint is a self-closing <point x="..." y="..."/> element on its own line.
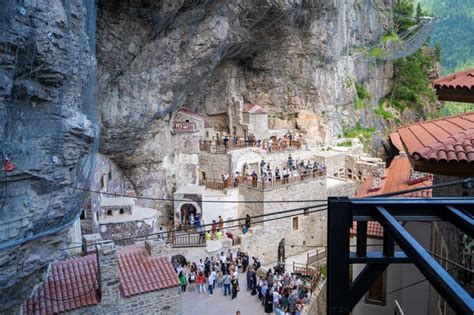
<point x="102" y="182"/>
<point x="187" y="120"/>
<point x="207" y="134"/>
<point x="83" y="214"/>
<point x="306" y="212"/>
<point x="376" y="294"/>
<point x="121" y="211"/>
<point x="109" y="212"/>
<point x="110" y="175"/>
<point x="295" y="223"/>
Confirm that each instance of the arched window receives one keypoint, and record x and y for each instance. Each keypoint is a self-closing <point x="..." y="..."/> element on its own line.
<point x="121" y="211"/>
<point x="109" y="212"/>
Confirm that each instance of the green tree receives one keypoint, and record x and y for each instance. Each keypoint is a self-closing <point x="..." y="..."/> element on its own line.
<point x="403" y="15"/>
<point x="419" y="11"/>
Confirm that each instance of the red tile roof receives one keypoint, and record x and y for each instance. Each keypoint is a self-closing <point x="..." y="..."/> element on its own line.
<point x="141" y="273"/>
<point x="396" y="141"/>
<point x="459" y="80"/>
<point x="71" y="284"/>
<point x="253" y="109"/>
<point x="449" y="139"/>
<point x="187" y="112"/>
<point x="397" y="179"/>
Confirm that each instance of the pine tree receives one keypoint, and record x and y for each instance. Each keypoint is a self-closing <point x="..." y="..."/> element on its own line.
<point x="419" y="11"/>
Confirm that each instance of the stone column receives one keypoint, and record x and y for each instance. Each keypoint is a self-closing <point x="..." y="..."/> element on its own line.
<point x="108" y="271"/>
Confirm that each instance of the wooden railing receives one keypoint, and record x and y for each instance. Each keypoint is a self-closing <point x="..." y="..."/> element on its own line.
<point x="213" y="147"/>
<point x="313" y="258"/>
<point x="283" y="181"/>
<point x="189" y="240"/>
<point x="184" y="127"/>
<point x="306" y="270"/>
<point x="218" y="184"/>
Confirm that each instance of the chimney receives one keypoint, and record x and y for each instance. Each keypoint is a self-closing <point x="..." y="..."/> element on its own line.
<point x="154" y="247"/>
<point x="376" y="181"/>
<point x="108" y="274"/>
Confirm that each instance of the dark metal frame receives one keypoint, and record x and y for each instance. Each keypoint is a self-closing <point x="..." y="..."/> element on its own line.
<point x="342" y="294"/>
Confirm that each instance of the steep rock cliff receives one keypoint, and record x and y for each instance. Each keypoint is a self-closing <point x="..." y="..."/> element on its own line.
<point x="47" y="132"/>
<point x="288" y="56"/>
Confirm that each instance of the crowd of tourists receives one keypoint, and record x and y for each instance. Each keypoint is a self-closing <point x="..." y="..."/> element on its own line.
<point x="287" y="141"/>
<point x="280" y="291"/>
<point x="293" y="168"/>
<point x="277" y="291"/>
<point x="215" y="274"/>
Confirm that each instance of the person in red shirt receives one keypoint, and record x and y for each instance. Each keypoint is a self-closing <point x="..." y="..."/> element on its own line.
<point x="200" y="281"/>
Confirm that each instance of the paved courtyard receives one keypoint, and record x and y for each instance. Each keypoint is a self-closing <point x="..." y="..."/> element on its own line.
<point x="197" y="304"/>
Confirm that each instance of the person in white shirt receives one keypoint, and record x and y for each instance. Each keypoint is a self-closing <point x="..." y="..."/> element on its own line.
<point x="276" y="298"/>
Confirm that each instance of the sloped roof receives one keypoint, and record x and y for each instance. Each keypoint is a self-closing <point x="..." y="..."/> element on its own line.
<point x="141" y="273"/>
<point x="396" y="141"/>
<point x="73" y="283"/>
<point x="253" y="109"/>
<point x="459" y="80"/>
<point x="190" y="113"/>
<point x="449" y="139"/>
<point x="397" y="179"/>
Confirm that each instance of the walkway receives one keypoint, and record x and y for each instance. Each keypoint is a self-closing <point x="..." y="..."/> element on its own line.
<point x="218" y="304"/>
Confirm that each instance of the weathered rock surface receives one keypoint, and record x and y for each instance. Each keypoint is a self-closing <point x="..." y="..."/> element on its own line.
<point x="47" y="131"/>
<point x="154" y="57"/>
<point x="286" y="55"/>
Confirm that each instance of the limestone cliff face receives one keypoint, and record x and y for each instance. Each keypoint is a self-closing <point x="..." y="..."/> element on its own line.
<point x="46" y="130"/>
<point x="288" y="56"/>
<point x="154" y="57"/>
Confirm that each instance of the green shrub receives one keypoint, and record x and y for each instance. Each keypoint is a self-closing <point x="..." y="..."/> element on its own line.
<point x="346" y="143"/>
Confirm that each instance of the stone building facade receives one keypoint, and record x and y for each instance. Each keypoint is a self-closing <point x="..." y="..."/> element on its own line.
<point x="307" y="228"/>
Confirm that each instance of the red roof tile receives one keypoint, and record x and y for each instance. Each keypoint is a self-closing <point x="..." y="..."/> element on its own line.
<point x="140" y="272"/>
<point x="449" y="139"/>
<point x="397" y="179"/>
<point x="253" y="109"/>
<point x="459" y="80"/>
<point x="187" y="112"/>
<point x="396" y="141"/>
<point x="71" y="284"/>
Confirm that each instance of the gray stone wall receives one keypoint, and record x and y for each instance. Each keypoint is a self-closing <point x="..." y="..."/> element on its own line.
<point x="214" y="165"/>
<point x="258" y="125"/>
<point x="120" y="230"/>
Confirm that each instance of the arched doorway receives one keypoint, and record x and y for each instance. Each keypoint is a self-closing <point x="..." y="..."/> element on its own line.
<point x="189" y="213"/>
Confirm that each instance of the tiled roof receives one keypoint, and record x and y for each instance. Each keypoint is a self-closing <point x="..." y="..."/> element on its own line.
<point x="449" y="139"/>
<point x="397" y="179"/>
<point x="192" y="114"/>
<point x="396" y="141"/>
<point x="71" y="284"/>
<point x="141" y="273"/>
<point x="459" y="80"/>
<point x="253" y="109"/>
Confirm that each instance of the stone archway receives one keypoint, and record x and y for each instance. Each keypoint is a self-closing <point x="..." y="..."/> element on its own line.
<point x="183" y="210"/>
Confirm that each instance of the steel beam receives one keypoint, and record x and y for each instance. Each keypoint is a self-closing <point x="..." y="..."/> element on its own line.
<point x="339" y="224"/>
<point x="363" y="282"/>
<point x="459" y="300"/>
<point x="378" y="257"/>
<point x="459" y="219"/>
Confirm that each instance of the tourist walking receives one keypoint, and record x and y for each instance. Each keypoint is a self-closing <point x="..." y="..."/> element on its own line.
<point x="227" y="281"/>
<point x="235" y="288"/>
<point x="210" y="282"/>
<point x="200" y="280"/>
<point x="182" y="281"/>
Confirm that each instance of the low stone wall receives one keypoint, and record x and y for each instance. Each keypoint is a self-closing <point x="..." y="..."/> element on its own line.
<point x="163" y="302"/>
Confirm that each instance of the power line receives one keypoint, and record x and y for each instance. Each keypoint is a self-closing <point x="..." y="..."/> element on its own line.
<point x="322" y="207"/>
